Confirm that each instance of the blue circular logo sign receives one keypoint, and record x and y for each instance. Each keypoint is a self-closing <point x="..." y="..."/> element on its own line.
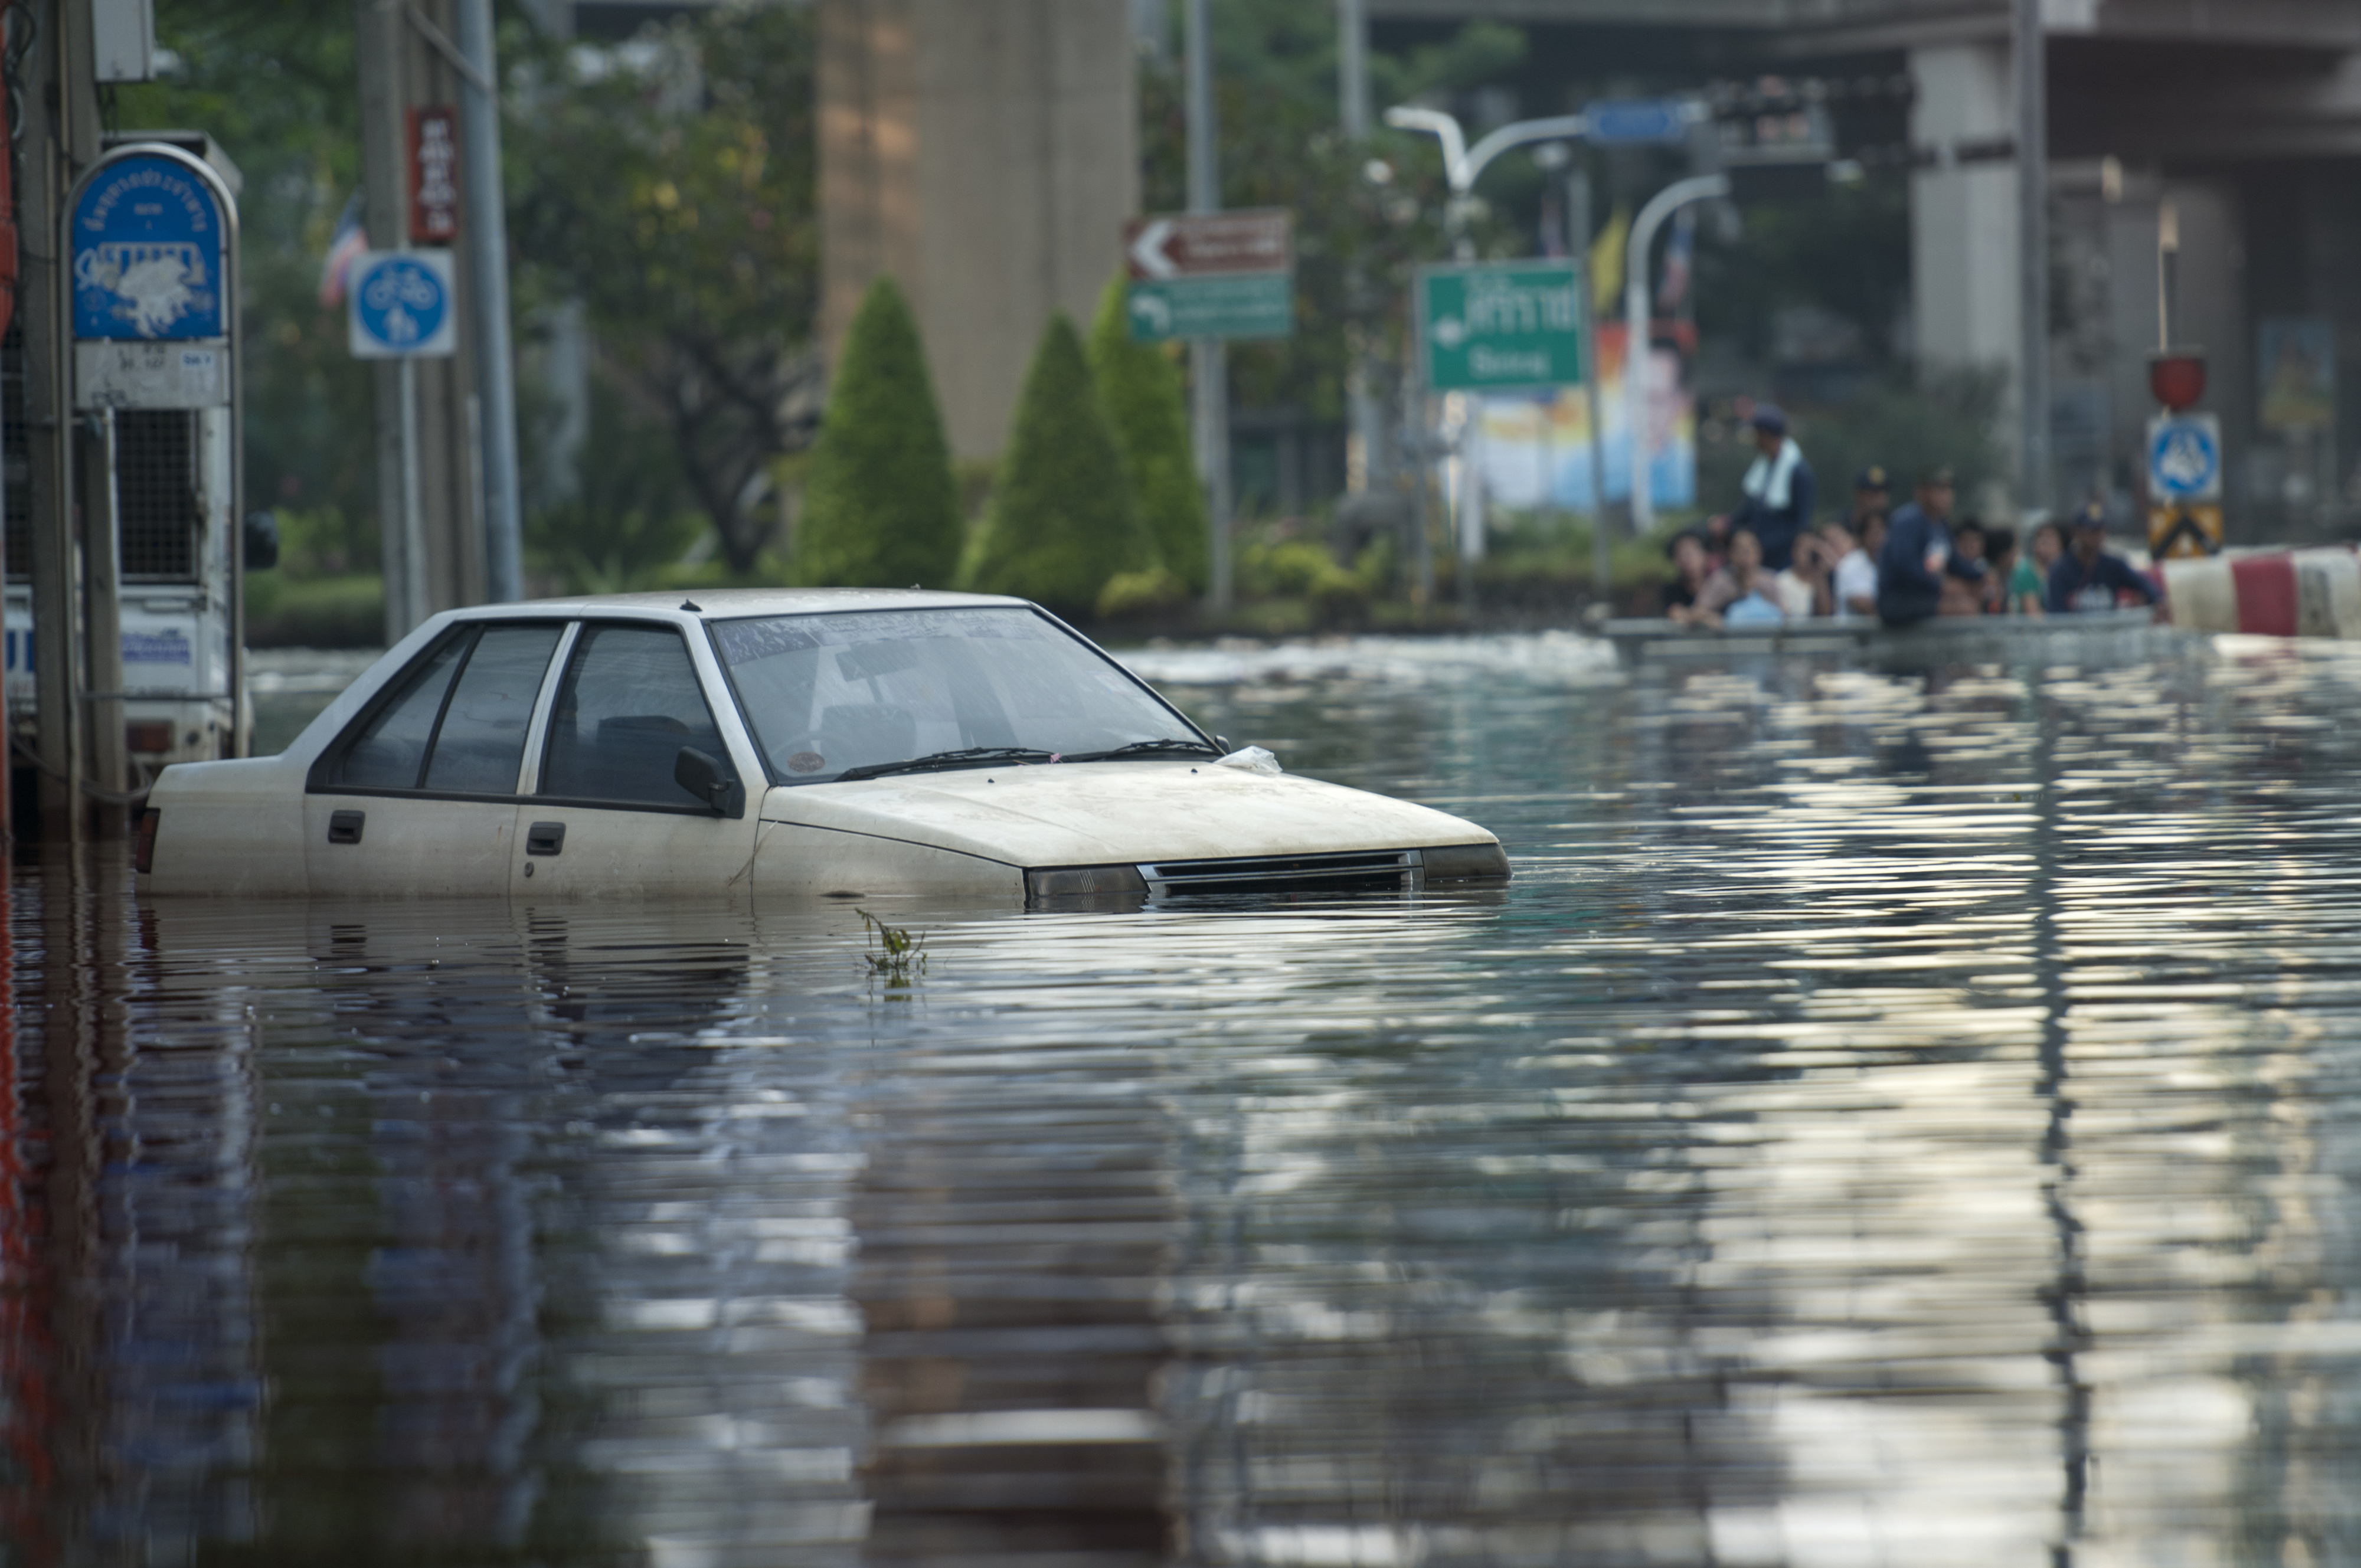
<point x="146" y="238"/>
<point x="401" y="302"/>
<point x="2184" y="460"/>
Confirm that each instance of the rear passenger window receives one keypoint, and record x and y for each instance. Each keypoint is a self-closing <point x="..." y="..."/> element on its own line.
<point x="481" y="743"/>
<point x="458" y="723"/>
<point x="630" y="701"/>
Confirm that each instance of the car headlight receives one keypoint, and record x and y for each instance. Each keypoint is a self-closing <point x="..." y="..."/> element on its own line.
<point x="1465" y="863"/>
<point x="1085" y="882"/>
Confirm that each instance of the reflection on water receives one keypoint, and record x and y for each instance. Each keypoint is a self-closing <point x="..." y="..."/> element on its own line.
<point x="1893" y="1118"/>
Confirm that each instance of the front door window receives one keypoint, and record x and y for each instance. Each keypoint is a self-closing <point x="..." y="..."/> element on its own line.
<point x="629" y="703"/>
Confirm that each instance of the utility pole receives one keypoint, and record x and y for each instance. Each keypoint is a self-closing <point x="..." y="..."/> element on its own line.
<point x="1209" y="365"/>
<point x="61" y="117"/>
<point x="1578" y="227"/>
<point x="2029" y="50"/>
<point x="378" y="45"/>
<point x="487" y="229"/>
<point x="1364" y="461"/>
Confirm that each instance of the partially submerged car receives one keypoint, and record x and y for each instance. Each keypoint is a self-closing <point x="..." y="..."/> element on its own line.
<point x="832" y="742"/>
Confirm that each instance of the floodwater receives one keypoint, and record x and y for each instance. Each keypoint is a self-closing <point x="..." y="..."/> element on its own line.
<point x="1893" y="1117"/>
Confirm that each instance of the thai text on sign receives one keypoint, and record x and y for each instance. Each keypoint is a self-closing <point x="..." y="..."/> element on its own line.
<point x="433" y="173"/>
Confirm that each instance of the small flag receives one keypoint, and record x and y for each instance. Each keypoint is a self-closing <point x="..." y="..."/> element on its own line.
<point x="349" y="240"/>
<point x="1607" y="264"/>
<point x="1678" y="254"/>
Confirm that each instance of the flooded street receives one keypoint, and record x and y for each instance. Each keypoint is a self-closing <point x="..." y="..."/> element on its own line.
<point x="1893" y="1117"/>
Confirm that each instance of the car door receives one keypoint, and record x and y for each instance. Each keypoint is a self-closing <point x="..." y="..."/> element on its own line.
<point x="418" y="797"/>
<point x="605" y="817"/>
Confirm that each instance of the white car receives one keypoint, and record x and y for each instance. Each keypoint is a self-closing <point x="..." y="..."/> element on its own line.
<point x="832" y="742"/>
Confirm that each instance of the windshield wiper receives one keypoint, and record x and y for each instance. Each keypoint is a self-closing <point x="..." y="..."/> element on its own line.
<point x="963" y="757"/>
<point x="1147" y="749"/>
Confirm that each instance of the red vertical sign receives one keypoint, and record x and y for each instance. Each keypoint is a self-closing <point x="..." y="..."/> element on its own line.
<point x="433" y="173"/>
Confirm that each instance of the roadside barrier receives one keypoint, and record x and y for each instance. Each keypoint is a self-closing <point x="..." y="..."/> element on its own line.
<point x="2295" y="593"/>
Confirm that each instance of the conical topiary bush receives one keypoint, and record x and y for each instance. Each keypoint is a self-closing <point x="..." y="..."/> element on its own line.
<point x="1062" y="520"/>
<point x="1141" y="390"/>
<point x="881" y="507"/>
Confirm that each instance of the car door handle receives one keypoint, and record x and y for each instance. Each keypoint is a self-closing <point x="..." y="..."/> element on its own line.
<point x="544" y="839"/>
<point x="345" y="826"/>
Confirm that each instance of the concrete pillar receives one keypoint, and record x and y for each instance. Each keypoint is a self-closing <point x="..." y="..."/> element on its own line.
<point x="1963" y="218"/>
<point x="985" y="154"/>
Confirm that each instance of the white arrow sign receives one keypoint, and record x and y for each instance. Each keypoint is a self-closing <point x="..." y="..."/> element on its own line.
<point x="1147" y="249"/>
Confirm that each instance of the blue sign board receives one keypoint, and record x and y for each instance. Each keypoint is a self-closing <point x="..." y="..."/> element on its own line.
<point x="1628" y="121"/>
<point x="2184" y="458"/>
<point x="402" y="305"/>
<point x="148" y="252"/>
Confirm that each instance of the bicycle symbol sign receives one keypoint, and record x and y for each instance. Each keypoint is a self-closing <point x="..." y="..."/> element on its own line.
<point x="402" y="305"/>
<point x="2184" y="458"/>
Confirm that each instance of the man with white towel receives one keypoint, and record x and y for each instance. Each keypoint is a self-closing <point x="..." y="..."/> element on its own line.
<point x="1778" y="490"/>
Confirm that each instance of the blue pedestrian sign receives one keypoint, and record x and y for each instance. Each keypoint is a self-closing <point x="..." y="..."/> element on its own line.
<point x="148" y="251"/>
<point x="401" y="305"/>
<point x="1624" y="122"/>
<point x="2184" y="458"/>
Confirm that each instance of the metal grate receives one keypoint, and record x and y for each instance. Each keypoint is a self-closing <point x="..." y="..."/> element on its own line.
<point x="155" y="493"/>
<point x="1381" y="870"/>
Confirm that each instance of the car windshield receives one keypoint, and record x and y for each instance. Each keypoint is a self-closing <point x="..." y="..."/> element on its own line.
<point x="824" y="694"/>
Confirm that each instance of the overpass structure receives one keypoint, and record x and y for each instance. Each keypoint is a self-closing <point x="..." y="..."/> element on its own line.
<point x="2244" y="119"/>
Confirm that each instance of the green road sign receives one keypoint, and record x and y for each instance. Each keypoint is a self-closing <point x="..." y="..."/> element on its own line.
<point x="1241" y="304"/>
<point x="1500" y="324"/>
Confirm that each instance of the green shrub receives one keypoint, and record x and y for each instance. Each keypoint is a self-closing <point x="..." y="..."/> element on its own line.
<point x="881" y="507"/>
<point x="1141" y="388"/>
<point x="1062" y="520"/>
<point x="1128" y="595"/>
<point x="324" y="612"/>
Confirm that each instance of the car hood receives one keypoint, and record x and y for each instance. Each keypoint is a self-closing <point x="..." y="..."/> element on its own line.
<point x="1107" y="813"/>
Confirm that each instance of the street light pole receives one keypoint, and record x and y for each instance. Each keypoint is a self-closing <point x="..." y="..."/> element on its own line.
<point x="2032" y="84"/>
<point x="1662" y="205"/>
<point x="1209" y="367"/>
<point x="488" y="256"/>
<point x="1462" y="164"/>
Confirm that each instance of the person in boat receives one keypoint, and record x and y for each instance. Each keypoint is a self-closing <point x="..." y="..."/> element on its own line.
<point x="1778" y="504"/>
<point x="1757" y="601"/>
<point x="1853" y="588"/>
<point x="1804" y="589"/>
<point x="1999" y="565"/>
<point x="1963" y="594"/>
<point x="2028" y="586"/>
<point x="1872" y="496"/>
<point x="2087" y="577"/>
<point x="1698" y="588"/>
<point x="1917" y="553"/>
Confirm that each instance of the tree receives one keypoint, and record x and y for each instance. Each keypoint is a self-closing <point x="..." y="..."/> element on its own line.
<point x="1140" y="389"/>
<point x="669" y="188"/>
<point x="881" y="507"/>
<point x="1062" y="519"/>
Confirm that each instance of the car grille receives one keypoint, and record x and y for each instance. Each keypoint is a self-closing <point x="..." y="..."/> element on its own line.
<point x="1379" y="871"/>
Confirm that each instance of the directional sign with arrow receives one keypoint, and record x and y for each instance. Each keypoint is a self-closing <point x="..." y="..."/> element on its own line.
<point x="1211" y="275"/>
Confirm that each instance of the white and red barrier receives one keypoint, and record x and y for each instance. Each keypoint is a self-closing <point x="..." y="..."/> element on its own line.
<point x="2294" y="593"/>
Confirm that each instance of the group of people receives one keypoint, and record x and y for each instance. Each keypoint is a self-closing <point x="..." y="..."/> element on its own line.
<point x="1767" y="563"/>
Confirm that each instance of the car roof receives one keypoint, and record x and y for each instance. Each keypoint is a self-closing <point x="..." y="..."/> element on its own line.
<point x="681" y="604"/>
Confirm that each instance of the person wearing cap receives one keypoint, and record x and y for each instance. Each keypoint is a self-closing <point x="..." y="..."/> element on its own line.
<point x="1917" y="555"/>
<point x="1872" y="496"/>
<point x="1778" y="490"/>
<point x="2086" y="578"/>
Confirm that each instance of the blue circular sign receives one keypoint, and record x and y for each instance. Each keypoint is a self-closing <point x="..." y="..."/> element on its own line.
<point x="2184" y="460"/>
<point x="401" y="302"/>
<point x="146" y="252"/>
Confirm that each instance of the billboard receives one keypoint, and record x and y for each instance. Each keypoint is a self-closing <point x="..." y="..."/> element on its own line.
<point x="1535" y="447"/>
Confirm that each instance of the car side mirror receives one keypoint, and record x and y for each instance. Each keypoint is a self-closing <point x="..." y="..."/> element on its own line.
<point x="261" y="541"/>
<point x="702" y="777"/>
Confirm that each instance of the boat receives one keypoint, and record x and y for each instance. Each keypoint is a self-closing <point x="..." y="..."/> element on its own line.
<point x="1943" y="637"/>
